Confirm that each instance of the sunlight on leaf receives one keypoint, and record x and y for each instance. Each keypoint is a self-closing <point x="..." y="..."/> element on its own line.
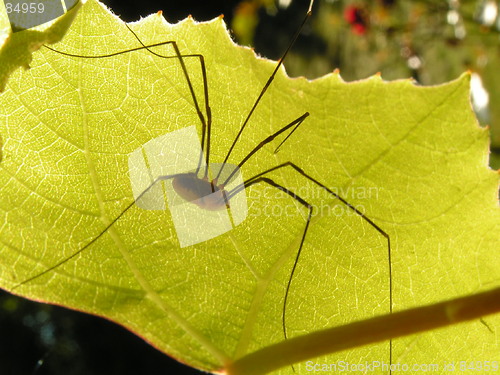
<point x="412" y="158"/>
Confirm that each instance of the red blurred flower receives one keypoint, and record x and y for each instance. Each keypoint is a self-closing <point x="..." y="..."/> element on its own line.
<point x="357" y="18"/>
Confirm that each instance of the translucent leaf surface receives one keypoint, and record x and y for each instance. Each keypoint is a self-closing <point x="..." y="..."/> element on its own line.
<point x="412" y="158"/>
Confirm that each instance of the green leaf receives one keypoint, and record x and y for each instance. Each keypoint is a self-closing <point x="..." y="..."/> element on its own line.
<point x="412" y="158"/>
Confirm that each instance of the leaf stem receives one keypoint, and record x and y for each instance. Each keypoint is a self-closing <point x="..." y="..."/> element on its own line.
<point x="365" y="332"/>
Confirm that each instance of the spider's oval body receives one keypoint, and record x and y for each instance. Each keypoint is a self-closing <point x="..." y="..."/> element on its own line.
<point x="200" y="191"/>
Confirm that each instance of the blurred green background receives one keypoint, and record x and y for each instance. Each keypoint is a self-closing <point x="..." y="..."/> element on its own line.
<point x="431" y="41"/>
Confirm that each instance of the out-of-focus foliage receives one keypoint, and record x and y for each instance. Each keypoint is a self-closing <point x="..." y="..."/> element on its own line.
<point x="431" y="41"/>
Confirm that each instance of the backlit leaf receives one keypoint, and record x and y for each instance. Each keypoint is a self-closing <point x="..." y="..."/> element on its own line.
<point x="413" y="159"/>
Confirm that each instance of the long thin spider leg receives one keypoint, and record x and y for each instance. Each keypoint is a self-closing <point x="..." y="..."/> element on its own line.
<point x="206" y="125"/>
<point x="246" y="183"/>
<point x="72" y="256"/>
<point x="118" y="52"/>
<point x="268" y="83"/>
<point x="277" y="149"/>
<point x="295" y="123"/>
<point x="309" y="216"/>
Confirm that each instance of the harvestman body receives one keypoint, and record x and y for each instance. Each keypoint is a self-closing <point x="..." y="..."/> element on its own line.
<point x="214" y="194"/>
<point x="200" y="206"/>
